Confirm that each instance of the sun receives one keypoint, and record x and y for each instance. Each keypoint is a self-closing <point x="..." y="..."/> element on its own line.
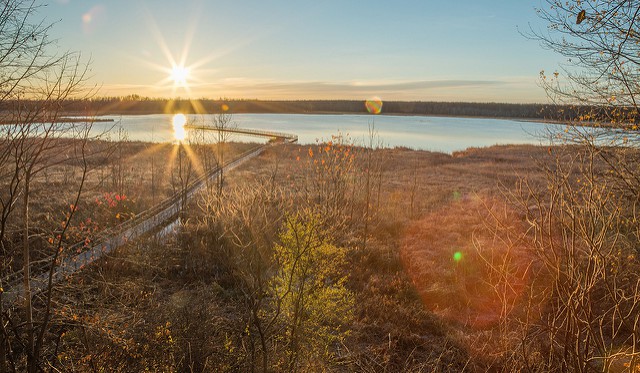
<point x="179" y="75"/>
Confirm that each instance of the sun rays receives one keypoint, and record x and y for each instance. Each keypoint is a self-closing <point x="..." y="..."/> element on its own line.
<point x="181" y="72"/>
<point x="188" y="68"/>
<point x="179" y="75"/>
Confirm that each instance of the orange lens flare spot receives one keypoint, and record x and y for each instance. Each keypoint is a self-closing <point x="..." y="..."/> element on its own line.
<point x="93" y="18"/>
<point x="456" y="263"/>
<point x="224" y="107"/>
<point x="374" y="105"/>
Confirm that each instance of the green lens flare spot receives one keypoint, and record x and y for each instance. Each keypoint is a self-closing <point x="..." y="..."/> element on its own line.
<point x="457" y="256"/>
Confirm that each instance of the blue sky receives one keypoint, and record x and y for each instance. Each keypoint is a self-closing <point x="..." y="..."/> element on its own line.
<point x="459" y="50"/>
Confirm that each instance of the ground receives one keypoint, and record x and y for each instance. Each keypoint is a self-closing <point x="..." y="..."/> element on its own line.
<point x="422" y="296"/>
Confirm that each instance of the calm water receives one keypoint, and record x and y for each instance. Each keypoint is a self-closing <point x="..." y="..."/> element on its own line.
<point x="444" y="134"/>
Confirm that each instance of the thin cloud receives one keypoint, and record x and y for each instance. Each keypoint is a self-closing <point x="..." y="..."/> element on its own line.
<point x="452" y="89"/>
<point x="359" y="87"/>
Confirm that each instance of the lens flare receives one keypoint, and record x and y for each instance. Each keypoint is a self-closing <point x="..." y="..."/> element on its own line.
<point x="374" y="105"/>
<point x="457" y="256"/>
<point x="179" y="132"/>
<point x="461" y="267"/>
<point x="93" y="19"/>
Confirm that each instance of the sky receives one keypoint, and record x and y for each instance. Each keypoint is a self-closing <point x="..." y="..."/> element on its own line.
<point x="415" y="50"/>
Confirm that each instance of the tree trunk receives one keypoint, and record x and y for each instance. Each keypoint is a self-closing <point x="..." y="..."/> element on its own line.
<point x="28" y="308"/>
<point x="367" y="199"/>
<point x="3" y="340"/>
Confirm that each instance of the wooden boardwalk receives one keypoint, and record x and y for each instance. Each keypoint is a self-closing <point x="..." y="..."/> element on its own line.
<point x="284" y="137"/>
<point x="156" y="217"/>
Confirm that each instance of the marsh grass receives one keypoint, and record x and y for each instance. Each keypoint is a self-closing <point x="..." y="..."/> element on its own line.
<point x="203" y="300"/>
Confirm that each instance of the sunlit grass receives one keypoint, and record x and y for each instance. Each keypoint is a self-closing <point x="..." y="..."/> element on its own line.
<point x="467" y="261"/>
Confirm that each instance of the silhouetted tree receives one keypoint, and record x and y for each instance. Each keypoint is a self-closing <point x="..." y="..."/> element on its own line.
<point x="584" y="313"/>
<point x="34" y="84"/>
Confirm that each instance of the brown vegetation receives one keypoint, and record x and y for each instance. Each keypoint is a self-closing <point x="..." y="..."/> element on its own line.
<point x="338" y="257"/>
<point x="452" y="256"/>
<point x="208" y="301"/>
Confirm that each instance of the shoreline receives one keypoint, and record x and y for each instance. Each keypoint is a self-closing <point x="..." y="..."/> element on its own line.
<point x="515" y="119"/>
<point x="85" y="119"/>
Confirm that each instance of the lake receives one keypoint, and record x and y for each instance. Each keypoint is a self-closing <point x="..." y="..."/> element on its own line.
<point x="445" y="134"/>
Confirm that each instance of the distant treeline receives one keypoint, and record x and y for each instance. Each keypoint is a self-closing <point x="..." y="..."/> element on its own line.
<point x="140" y="105"/>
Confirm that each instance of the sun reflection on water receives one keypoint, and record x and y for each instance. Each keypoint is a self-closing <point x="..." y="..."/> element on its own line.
<point x="179" y="132"/>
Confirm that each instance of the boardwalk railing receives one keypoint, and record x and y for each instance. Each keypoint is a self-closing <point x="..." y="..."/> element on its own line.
<point x="287" y="137"/>
<point x="110" y="239"/>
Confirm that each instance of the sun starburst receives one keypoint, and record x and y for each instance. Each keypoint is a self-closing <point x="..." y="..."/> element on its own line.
<point x="179" y="75"/>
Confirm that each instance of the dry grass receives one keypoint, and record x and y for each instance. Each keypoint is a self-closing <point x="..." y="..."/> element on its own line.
<point x="180" y="305"/>
<point x="417" y="309"/>
<point x="464" y="269"/>
<point x="123" y="179"/>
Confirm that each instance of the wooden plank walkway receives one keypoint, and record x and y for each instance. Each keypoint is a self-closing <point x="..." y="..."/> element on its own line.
<point x="286" y="137"/>
<point x="153" y="218"/>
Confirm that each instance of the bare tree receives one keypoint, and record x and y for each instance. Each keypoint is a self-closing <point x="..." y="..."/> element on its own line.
<point x="200" y="139"/>
<point x="584" y="305"/>
<point x="373" y="177"/>
<point x="601" y="42"/>
<point x="118" y="167"/>
<point x="34" y="82"/>
<point x="222" y="123"/>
